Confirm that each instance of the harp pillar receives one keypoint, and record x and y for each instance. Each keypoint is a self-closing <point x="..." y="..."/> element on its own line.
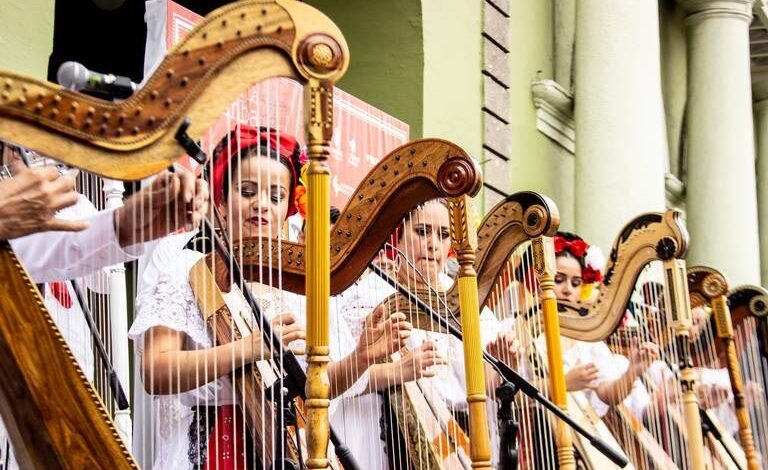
<point x="721" y="138"/>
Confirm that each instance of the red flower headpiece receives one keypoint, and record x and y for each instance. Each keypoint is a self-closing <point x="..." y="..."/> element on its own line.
<point x="580" y="250"/>
<point x="268" y="142"/>
<point x="577" y="247"/>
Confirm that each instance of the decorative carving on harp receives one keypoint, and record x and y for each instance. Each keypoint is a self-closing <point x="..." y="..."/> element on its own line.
<point x="409" y="176"/>
<point x="649" y="237"/>
<point x="54" y="417"/>
<point x="709" y="287"/>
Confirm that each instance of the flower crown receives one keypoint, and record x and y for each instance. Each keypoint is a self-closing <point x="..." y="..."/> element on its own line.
<point x="590" y="258"/>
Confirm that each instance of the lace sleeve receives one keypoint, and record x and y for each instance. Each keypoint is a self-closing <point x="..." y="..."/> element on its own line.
<point x="169" y="303"/>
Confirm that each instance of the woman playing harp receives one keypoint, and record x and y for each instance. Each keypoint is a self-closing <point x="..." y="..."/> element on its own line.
<point x="595" y="378"/>
<point x="255" y="173"/>
<point x="606" y="378"/>
<point x="421" y="247"/>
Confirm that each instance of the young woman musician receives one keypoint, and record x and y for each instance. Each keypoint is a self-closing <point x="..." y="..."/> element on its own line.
<point x="423" y="245"/>
<point x="606" y="378"/>
<point x="254" y="177"/>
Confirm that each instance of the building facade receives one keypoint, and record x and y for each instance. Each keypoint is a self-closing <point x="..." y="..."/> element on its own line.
<point x="610" y="107"/>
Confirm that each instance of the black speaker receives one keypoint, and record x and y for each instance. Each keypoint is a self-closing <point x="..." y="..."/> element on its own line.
<point x="106" y="36"/>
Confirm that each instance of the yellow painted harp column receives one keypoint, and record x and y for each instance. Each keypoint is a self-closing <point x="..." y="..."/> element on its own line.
<point x="544" y="263"/>
<point x="319" y="105"/>
<point x="464" y="240"/>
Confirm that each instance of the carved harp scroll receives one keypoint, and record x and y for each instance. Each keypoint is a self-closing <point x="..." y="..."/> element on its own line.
<point x="54" y="417"/>
<point x="235" y="46"/>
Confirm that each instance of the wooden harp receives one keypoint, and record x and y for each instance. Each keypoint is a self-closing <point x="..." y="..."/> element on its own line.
<point x="54" y="417"/>
<point x="522" y="218"/>
<point x="650" y="237"/>
<point x="749" y="310"/>
<point x="398" y="183"/>
<point x="709" y="287"/>
<point x="410" y="175"/>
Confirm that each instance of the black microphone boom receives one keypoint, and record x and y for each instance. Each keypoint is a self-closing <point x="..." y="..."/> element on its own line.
<point x="76" y="76"/>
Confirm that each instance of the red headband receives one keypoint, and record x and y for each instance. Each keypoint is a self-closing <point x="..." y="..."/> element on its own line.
<point x="269" y="142"/>
<point x="578" y="248"/>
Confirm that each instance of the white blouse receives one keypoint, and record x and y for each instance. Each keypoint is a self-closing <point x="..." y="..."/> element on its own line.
<point x="166" y="299"/>
<point x="610" y="367"/>
<point x="357" y="418"/>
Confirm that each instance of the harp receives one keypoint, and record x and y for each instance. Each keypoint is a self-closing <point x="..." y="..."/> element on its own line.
<point x="410" y="175"/>
<point x="649" y="239"/>
<point x="449" y="171"/>
<point x="523" y="219"/>
<point x="749" y="307"/>
<point x="715" y="348"/>
<point x="236" y="46"/>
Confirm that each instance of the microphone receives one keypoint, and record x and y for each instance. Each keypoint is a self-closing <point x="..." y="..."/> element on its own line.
<point x="76" y="76"/>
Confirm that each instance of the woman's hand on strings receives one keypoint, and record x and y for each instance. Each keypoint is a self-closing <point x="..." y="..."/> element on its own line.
<point x="507" y="349"/>
<point x="581" y="377"/>
<point x="383" y="334"/>
<point x="174" y="201"/>
<point x="289" y="330"/>
<point x="418" y="363"/>
<point x="29" y="202"/>
<point x="643" y="356"/>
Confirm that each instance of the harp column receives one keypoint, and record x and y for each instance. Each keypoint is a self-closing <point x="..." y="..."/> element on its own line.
<point x="621" y="146"/>
<point x="760" y="91"/>
<point x="721" y="153"/>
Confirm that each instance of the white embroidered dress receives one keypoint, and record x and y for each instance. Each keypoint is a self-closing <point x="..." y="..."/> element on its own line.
<point x="357" y="418"/>
<point x="169" y="301"/>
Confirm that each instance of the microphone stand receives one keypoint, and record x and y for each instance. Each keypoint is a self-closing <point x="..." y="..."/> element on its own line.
<point x="517" y="382"/>
<point x="114" y="380"/>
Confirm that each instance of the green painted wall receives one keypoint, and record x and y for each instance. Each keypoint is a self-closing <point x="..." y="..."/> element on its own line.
<point x="453" y="90"/>
<point x="26" y="36"/>
<point x="387" y="59"/>
<point x="537" y="164"/>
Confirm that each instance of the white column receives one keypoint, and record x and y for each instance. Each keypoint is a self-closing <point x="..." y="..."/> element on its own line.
<point x="621" y="148"/>
<point x="721" y="194"/>
<point x="118" y="320"/>
<point x="760" y="91"/>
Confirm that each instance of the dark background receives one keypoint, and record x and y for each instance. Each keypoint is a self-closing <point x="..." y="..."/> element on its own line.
<point x="104" y="40"/>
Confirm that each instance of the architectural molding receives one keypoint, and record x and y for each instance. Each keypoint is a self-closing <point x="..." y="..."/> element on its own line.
<point x="554" y="113"/>
<point x="699" y="10"/>
<point x="675" y="189"/>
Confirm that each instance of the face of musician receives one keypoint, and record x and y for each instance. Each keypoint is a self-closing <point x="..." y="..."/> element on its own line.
<point x="568" y="278"/>
<point x="426" y="242"/>
<point x="256" y="205"/>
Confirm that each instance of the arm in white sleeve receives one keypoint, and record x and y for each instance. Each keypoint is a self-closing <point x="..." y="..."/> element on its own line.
<point x="57" y="256"/>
